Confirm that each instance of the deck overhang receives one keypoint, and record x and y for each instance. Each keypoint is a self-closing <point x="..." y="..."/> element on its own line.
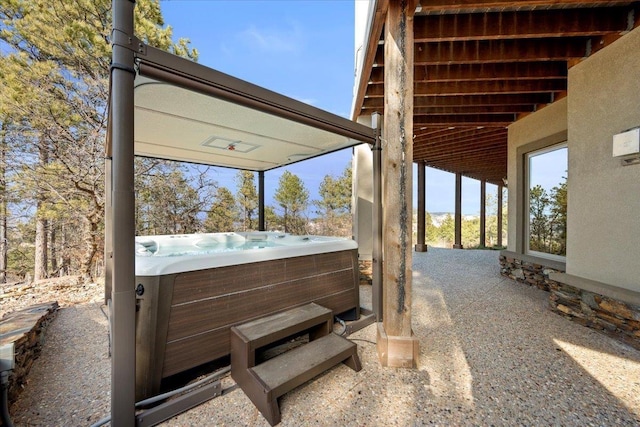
<point x="481" y="65"/>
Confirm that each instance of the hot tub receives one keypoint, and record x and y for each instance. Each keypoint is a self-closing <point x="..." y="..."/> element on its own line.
<point x="192" y="288"/>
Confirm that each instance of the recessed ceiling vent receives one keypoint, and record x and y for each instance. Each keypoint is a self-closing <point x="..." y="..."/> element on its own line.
<point x="229" y="145"/>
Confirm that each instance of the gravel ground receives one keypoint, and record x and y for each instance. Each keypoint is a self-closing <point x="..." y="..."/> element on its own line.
<point x="491" y="353"/>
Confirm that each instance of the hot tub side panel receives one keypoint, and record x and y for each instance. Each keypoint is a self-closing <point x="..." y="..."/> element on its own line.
<point x="206" y="303"/>
<point x="153" y="305"/>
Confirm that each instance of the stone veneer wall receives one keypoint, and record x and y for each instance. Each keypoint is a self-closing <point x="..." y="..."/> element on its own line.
<point x="25" y="328"/>
<point x="527" y="272"/>
<point x="615" y="318"/>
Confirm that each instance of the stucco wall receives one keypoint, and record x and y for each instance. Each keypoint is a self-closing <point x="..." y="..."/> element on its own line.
<point x="362" y="200"/>
<point x="544" y="127"/>
<point x="603" y="230"/>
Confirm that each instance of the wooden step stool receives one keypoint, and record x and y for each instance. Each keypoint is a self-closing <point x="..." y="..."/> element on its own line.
<point x="264" y="383"/>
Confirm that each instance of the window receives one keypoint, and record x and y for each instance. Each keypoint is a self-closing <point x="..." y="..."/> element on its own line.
<point x="546" y="184"/>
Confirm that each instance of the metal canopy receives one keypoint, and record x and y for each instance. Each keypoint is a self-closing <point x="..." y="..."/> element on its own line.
<point x="187" y="112"/>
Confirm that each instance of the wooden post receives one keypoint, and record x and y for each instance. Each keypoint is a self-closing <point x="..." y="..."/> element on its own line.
<point x="397" y="347"/>
<point x="458" y="213"/>
<point x="499" y="215"/>
<point x="421" y="246"/>
<point x="483" y="213"/>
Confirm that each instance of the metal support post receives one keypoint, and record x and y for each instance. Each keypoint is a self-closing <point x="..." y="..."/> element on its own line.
<point x="123" y="360"/>
<point x="261" y="220"/>
<point x="376" y="123"/>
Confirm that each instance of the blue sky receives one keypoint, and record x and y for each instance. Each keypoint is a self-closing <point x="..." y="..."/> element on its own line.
<point x="302" y="49"/>
<point x="548" y="168"/>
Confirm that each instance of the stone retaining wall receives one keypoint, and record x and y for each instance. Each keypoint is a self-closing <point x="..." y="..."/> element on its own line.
<point x="617" y="319"/>
<point x="527" y="272"/>
<point x="25" y="328"/>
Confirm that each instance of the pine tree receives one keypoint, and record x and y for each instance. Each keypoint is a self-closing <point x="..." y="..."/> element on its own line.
<point x="223" y="212"/>
<point x="559" y="217"/>
<point x="170" y="197"/>
<point x="293" y="198"/>
<point x="538" y="219"/>
<point x="54" y="77"/>
<point x="247" y="198"/>
<point x="334" y="207"/>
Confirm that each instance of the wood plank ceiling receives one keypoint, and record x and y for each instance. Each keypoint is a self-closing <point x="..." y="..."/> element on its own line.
<point x="480" y="65"/>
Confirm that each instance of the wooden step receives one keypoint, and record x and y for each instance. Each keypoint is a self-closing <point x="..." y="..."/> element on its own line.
<point x="267" y="330"/>
<point x="264" y="383"/>
<point x="293" y="368"/>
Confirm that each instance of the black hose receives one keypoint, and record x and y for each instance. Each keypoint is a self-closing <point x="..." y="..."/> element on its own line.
<point x="4" y="400"/>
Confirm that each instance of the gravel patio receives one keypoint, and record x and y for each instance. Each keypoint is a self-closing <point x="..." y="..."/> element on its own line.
<point x="491" y="353"/>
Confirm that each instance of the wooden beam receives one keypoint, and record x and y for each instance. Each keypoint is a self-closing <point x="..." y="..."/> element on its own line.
<point x="430" y="132"/>
<point x="495" y="71"/>
<point x="493" y="177"/>
<point x="479" y="87"/>
<point x="469" y="165"/>
<point x="451" y="6"/>
<point x="495" y="120"/>
<point x="464" y="150"/>
<point x="494" y="109"/>
<point x="471" y="149"/>
<point x="455" y="135"/>
<point x="552" y="23"/>
<point x="482" y="135"/>
<point x="476" y="160"/>
<point x="464" y="155"/>
<point x="527" y="50"/>
<point x="483" y="141"/>
<point x="472" y="72"/>
<point x="470" y="100"/>
<point x="465" y="164"/>
<point x="487" y="51"/>
<point x="479" y="166"/>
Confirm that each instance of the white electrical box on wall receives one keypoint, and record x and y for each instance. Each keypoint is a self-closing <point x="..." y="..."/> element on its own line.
<point x="626" y="143"/>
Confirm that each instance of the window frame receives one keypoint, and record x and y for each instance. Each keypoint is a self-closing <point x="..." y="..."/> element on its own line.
<point x="526" y="199"/>
<point x="519" y="189"/>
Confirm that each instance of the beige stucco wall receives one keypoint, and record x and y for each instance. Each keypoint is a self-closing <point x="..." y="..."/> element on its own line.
<point x="362" y="196"/>
<point x="603" y="230"/>
<point x="547" y="126"/>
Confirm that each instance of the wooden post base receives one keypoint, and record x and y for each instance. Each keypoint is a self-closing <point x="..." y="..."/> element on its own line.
<point x="457" y="247"/>
<point x="420" y="247"/>
<point x="397" y="351"/>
